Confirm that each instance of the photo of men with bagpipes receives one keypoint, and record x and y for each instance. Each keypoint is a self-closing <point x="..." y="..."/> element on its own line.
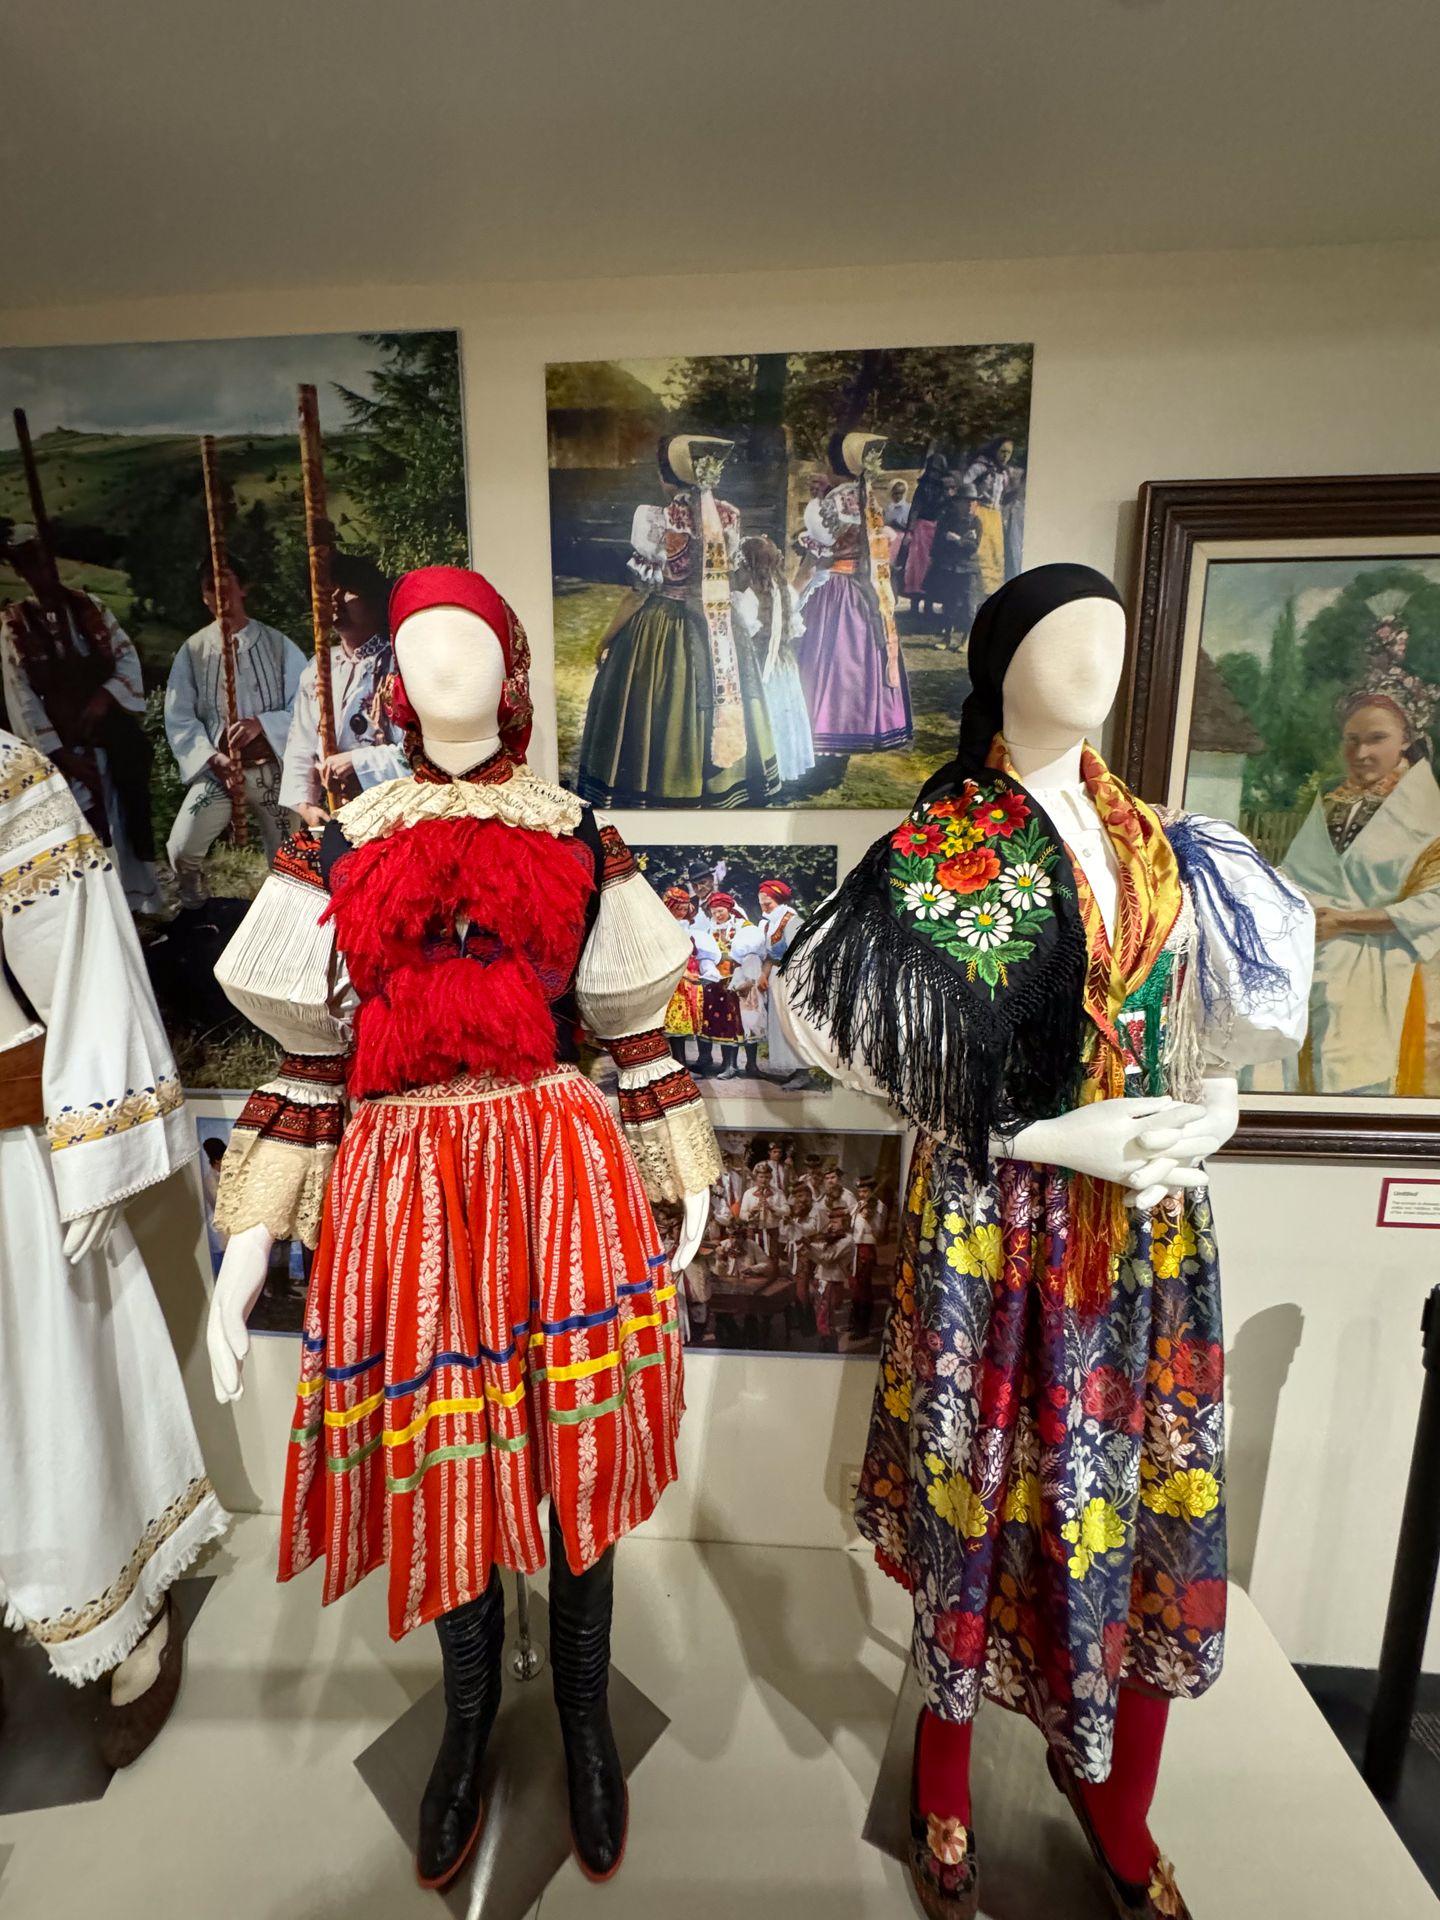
<point x="197" y="542"/>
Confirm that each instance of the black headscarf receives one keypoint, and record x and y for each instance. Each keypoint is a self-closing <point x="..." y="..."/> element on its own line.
<point x="1001" y="624"/>
<point x="967" y="1041"/>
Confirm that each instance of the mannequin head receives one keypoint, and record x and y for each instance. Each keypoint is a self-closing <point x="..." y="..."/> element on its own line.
<point x="453" y="667"/>
<point x="1061" y="683"/>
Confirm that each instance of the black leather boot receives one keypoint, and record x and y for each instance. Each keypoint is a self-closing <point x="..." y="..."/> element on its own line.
<point x="581" y="1605"/>
<point x="472" y="1641"/>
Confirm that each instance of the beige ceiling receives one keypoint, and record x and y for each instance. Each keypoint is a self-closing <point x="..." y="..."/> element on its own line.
<point x="185" y="145"/>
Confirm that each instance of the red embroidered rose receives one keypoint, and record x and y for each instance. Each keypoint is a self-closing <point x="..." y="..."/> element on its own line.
<point x="961" y="1636"/>
<point x="968" y="872"/>
<point x="1108" y="1395"/>
<point x="1001" y="816"/>
<point x="1200" y="1366"/>
<point x="914" y="837"/>
<point x="1202" y="1605"/>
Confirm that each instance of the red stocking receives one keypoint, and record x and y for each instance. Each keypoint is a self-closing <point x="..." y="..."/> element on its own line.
<point x="1120" y="1806"/>
<point x="942" y="1767"/>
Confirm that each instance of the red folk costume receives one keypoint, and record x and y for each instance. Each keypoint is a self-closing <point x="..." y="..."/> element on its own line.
<point x="490" y="1318"/>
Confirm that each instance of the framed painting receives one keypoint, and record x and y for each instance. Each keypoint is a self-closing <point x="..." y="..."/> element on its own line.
<point x="1284" y="674"/>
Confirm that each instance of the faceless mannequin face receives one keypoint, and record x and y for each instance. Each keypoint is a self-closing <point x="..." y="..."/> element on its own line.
<point x="453" y="667"/>
<point x="1061" y="684"/>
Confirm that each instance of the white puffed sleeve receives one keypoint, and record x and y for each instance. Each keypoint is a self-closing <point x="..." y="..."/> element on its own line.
<point x="1255" y="946"/>
<point x="282" y="970"/>
<point x="632" y="960"/>
<point x="647" y="546"/>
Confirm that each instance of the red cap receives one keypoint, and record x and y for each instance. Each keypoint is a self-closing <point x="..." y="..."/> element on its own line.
<point x="459" y="587"/>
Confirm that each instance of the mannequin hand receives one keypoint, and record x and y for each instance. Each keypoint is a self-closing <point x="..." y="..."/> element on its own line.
<point x="1220" y="1116"/>
<point x="697" y="1215"/>
<point x="1129" y="1141"/>
<point x="89" y="1233"/>
<point x="238" y="1287"/>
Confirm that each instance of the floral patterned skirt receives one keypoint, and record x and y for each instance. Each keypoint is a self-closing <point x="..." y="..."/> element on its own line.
<point x="1049" y="1483"/>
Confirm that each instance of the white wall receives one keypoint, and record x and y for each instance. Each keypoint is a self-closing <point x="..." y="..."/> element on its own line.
<point x="1155" y="367"/>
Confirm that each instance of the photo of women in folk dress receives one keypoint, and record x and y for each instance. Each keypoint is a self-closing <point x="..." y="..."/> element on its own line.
<point x="1312" y="727"/>
<point x="760" y="627"/>
<point x="677" y="717"/>
<point x="1368" y="859"/>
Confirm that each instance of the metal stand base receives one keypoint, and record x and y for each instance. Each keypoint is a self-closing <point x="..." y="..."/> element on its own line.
<point x="1032" y="1858"/>
<point x="526" y="1836"/>
<point x="48" y="1755"/>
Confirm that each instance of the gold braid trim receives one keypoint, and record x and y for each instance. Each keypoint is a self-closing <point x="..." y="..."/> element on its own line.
<point x="46" y="872"/>
<point x="137" y="1107"/>
<point x="21" y="766"/>
<point x="523" y="801"/>
<point x="69" y="1626"/>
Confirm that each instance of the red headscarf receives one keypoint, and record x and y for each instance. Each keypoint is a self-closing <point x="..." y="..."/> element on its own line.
<point x="459" y="587"/>
<point x="780" y="888"/>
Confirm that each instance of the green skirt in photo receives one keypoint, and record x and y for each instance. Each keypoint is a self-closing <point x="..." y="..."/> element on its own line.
<point x="647" y="736"/>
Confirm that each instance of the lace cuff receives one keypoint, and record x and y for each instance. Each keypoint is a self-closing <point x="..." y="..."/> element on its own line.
<point x="665" y="1122"/>
<point x="277" y="1165"/>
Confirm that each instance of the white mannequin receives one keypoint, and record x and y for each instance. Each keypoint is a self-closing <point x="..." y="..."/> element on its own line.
<point x="1058" y="689"/>
<point x="89" y="1234"/>
<point x="453" y="667"/>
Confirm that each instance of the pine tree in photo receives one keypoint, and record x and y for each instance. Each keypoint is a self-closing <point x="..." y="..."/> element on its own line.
<point x="407" y="471"/>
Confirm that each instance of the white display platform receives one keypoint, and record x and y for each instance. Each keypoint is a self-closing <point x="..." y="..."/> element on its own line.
<point x="779" y="1669"/>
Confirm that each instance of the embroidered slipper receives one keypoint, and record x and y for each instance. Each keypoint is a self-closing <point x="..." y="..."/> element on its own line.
<point x="125" y="1732"/>
<point x="1159" y="1900"/>
<point x="944" y="1867"/>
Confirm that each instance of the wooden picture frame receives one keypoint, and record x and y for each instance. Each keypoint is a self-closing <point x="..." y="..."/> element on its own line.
<point x="1183" y="523"/>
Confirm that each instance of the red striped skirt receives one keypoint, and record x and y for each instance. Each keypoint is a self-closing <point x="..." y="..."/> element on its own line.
<point x="490" y="1320"/>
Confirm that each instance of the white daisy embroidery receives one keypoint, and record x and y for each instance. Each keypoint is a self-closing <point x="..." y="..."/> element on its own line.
<point x="1025" y="885"/>
<point x="928" y="902"/>
<point x="984" y="927"/>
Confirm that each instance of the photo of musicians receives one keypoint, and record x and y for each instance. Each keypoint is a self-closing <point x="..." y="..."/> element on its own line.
<point x="743" y="908"/>
<point x="159" y="637"/>
<point x="281" y="1306"/>
<point x="799" y="1252"/>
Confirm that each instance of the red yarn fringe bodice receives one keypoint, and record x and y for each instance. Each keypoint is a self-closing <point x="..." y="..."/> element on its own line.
<point x="459" y="935"/>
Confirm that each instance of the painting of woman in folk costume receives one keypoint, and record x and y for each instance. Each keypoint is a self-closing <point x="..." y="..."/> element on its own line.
<point x="851" y="665"/>
<point x="1368" y="859"/>
<point x="676" y="716"/>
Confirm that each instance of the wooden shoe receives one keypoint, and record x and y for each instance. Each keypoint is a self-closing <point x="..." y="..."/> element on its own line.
<point x="1160" y="1899"/>
<point x="944" y="1869"/>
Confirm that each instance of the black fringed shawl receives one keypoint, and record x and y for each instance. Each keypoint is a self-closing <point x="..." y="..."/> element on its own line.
<point x="952" y="960"/>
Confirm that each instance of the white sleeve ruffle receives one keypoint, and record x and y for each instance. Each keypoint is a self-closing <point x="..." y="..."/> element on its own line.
<point x="1255" y="946"/>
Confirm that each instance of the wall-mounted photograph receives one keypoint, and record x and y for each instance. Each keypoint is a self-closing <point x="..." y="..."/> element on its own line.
<point x="766" y="567"/>
<point x="186" y="713"/>
<point x="743" y="907"/>
<point x="799" y="1253"/>
<point x="1285" y="676"/>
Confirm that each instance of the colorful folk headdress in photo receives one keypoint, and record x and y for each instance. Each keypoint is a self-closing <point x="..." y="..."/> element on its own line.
<point x="459" y="587"/>
<point x="1388" y="681"/>
<point x="861" y="456"/>
<point x="695" y="461"/>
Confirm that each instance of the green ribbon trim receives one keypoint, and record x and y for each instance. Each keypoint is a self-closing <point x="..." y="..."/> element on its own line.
<point x="572" y="1416"/>
<point x="471" y="1452"/>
